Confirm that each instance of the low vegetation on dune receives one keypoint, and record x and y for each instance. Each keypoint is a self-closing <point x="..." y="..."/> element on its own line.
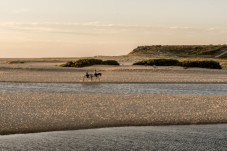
<point x="14" y="62"/>
<point x="158" y="62"/>
<point x="89" y="62"/>
<point x="173" y="62"/>
<point x="182" y="50"/>
<point x="202" y="64"/>
<point x="111" y="62"/>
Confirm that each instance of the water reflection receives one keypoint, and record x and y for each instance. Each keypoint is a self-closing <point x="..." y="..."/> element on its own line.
<point x="200" y="89"/>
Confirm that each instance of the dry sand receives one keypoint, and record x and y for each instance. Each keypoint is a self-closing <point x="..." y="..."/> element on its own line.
<point x="38" y="112"/>
<point x="50" y="72"/>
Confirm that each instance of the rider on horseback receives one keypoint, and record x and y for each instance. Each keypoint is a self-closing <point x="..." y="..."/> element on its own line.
<point x="90" y="76"/>
<point x="97" y="75"/>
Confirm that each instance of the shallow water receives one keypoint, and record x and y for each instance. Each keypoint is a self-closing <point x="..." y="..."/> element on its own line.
<point x="200" y="137"/>
<point x="196" y="89"/>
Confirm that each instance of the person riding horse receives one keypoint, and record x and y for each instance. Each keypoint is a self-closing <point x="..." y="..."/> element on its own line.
<point x="97" y="75"/>
<point x="90" y="76"/>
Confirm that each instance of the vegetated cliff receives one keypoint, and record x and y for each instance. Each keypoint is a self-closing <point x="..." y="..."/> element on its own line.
<point x="182" y="50"/>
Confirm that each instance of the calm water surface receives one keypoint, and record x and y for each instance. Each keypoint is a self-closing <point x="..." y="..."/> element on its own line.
<point x="198" y="89"/>
<point x="161" y="138"/>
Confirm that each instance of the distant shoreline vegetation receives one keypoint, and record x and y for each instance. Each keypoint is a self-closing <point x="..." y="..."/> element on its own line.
<point x="89" y="62"/>
<point x="207" y="51"/>
<point x="150" y="62"/>
<point x="173" y="62"/>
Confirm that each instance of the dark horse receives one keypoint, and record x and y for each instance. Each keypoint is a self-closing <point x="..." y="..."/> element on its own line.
<point x="97" y="75"/>
<point x="88" y="76"/>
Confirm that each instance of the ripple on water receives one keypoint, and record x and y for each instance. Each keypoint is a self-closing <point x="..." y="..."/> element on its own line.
<point x="196" y="89"/>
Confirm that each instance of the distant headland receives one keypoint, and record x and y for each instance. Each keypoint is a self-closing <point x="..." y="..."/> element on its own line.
<point x="206" y="51"/>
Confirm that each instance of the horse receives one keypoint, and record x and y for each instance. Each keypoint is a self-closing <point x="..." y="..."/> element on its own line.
<point x="88" y="76"/>
<point x="97" y="75"/>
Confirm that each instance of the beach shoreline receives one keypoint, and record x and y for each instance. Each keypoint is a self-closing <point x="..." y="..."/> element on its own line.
<point x="50" y="73"/>
<point x="26" y="112"/>
<point x="207" y="137"/>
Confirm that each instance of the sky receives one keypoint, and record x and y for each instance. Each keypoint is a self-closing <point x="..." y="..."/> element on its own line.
<point x="76" y="28"/>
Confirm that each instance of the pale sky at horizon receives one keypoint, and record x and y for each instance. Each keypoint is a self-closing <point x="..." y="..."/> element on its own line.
<point x="75" y="28"/>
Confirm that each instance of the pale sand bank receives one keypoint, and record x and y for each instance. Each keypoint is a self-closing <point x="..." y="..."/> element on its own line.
<point x="49" y="73"/>
<point x="37" y="112"/>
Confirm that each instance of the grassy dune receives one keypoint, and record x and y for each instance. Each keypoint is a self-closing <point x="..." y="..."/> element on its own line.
<point x="179" y="52"/>
<point x="205" y="51"/>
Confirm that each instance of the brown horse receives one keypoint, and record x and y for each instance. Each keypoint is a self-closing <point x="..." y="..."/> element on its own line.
<point x="88" y="76"/>
<point x="97" y="75"/>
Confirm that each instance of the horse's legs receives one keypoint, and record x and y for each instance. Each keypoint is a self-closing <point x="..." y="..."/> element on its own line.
<point x="84" y="78"/>
<point x="96" y="77"/>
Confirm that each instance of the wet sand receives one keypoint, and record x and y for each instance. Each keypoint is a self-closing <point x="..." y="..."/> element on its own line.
<point x="200" y="138"/>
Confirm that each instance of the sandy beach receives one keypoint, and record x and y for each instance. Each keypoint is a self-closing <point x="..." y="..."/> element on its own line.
<point x="113" y="75"/>
<point x="47" y="111"/>
<point x="35" y="110"/>
<point x="38" y="112"/>
<point x="44" y="72"/>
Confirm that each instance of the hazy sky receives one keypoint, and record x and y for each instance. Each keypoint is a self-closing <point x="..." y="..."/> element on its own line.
<point x="71" y="28"/>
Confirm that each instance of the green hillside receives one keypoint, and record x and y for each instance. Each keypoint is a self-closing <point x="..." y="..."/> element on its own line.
<point x="211" y="51"/>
